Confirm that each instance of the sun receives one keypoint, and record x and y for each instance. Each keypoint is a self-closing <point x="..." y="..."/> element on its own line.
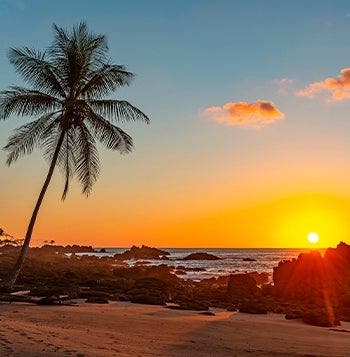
<point x="313" y="237"/>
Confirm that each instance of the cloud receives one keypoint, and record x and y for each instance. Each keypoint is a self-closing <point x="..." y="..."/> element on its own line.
<point x="284" y="85"/>
<point x="250" y="115"/>
<point x="337" y="88"/>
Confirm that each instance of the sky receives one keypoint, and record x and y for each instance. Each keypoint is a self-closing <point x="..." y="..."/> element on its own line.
<point x="248" y="144"/>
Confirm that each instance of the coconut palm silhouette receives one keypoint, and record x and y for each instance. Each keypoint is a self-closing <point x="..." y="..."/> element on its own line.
<point x="70" y="84"/>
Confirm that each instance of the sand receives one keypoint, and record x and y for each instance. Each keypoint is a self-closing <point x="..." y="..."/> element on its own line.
<point x="124" y="329"/>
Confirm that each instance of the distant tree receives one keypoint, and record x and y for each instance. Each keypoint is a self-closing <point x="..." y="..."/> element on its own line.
<point x="71" y="83"/>
<point x="7" y="239"/>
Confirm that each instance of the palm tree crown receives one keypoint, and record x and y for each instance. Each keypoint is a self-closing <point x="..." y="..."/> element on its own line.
<point x="69" y="85"/>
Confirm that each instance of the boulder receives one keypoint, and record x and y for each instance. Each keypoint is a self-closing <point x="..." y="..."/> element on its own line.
<point x="249" y="260"/>
<point x="201" y="256"/>
<point x="96" y="300"/>
<point x="260" y="278"/>
<point x="143" y="252"/>
<point x="305" y="280"/>
<point x="252" y="307"/>
<point x="240" y="287"/>
<point x="149" y="291"/>
<point x="320" y="317"/>
<point x="162" y="272"/>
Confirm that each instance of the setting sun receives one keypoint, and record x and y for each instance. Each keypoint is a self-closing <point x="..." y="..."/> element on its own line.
<point x="313" y="237"/>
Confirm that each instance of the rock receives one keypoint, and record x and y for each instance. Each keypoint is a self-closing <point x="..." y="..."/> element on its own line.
<point x="49" y="300"/>
<point x="231" y="308"/>
<point x="102" y="250"/>
<point x="344" y="314"/>
<point x="144" y="296"/>
<point x="320" y="317"/>
<point x="304" y="280"/>
<point x="260" y="278"/>
<point x="162" y="272"/>
<point x="94" y="294"/>
<point x="252" y="307"/>
<point x="267" y="290"/>
<point x="96" y="300"/>
<point x="249" y="260"/>
<point x="143" y="252"/>
<point x="240" y="287"/>
<point x="293" y="314"/>
<point x="149" y="291"/>
<point x="201" y="256"/>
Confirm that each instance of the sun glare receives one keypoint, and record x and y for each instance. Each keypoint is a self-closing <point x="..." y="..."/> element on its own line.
<point x="313" y="237"/>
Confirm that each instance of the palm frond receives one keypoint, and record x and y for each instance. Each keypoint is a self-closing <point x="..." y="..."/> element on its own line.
<point x="26" y="137"/>
<point x="77" y="53"/>
<point x="87" y="160"/>
<point x="105" y="80"/>
<point x="118" y="110"/>
<point x="109" y="135"/>
<point x="26" y="102"/>
<point x="35" y="69"/>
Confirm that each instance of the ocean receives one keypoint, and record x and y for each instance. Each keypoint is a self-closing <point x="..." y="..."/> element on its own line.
<point x="232" y="260"/>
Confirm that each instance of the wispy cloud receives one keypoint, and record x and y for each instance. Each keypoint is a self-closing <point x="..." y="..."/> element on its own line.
<point x="284" y="85"/>
<point x="249" y="115"/>
<point x="334" y="88"/>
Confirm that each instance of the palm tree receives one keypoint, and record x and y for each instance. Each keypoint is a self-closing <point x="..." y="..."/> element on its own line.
<point x="69" y="85"/>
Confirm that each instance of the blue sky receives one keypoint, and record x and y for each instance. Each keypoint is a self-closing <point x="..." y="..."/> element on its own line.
<point x="190" y="55"/>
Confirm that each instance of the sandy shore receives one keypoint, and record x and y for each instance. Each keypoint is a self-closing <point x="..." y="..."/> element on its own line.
<point x="123" y="329"/>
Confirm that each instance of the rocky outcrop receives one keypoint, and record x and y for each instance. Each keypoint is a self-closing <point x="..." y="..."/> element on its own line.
<point x="149" y="291"/>
<point x="241" y="287"/>
<point x="260" y="278"/>
<point x="201" y="256"/>
<point x="143" y="252"/>
<point x="319" y="285"/>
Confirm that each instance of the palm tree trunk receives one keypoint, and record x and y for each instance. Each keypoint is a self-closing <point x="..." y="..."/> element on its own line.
<point x="12" y="277"/>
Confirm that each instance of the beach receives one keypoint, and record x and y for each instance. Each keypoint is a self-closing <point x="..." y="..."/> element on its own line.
<point x="125" y="329"/>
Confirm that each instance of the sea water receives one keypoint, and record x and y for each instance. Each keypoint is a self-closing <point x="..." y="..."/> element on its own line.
<point x="232" y="260"/>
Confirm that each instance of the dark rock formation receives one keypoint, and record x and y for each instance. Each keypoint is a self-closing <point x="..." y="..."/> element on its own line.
<point x="249" y="260"/>
<point x="241" y="287"/>
<point x="252" y="307"/>
<point x="319" y="285"/>
<point x="149" y="291"/>
<point x="143" y="252"/>
<point x="320" y="317"/>
<point x="260" y="278"/>
<point x="96" y="300"/>
<point x="201" y="256"/>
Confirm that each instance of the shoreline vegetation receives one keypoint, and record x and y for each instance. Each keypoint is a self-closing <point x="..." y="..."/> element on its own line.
<point x="312" y="288"/>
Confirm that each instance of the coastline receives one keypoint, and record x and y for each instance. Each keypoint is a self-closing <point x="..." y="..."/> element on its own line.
<point x="125" y="329"/>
